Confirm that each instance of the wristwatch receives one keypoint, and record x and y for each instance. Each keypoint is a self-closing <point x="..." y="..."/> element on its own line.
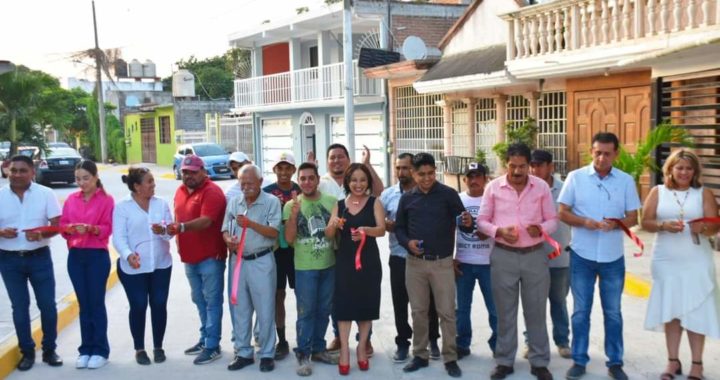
<point x="182" y="227"/>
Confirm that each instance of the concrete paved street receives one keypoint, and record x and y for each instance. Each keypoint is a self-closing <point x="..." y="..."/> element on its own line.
<point x="644" y="351"/>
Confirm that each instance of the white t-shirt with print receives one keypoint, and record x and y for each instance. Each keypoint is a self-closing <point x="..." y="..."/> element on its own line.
<point x="469" y="248"/>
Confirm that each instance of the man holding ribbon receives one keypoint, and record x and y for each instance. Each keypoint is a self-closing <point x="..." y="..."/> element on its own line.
<point x="250" y="229"/>
<point x="199" y="206"/>
<point x="25" y="257"/>
<point x="518" y="211"/>
<point x="599" y="202"/>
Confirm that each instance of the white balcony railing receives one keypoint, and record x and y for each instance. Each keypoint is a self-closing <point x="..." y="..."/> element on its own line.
<point x="565" y="25"/>
<point x="305" y="85"/>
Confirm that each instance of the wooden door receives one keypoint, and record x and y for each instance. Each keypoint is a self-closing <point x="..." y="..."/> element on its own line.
<point x="147" y="132"/>
<point x="595" y="111"/>
<point x="635" y="124"/>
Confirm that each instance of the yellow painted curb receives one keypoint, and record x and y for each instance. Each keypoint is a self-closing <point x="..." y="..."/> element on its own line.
<point x="167" y="175"/>
<point x="635" y="286"/>
<point x="68" y="311"/>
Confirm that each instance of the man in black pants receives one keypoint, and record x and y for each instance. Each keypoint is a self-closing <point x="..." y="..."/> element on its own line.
<point x="390" y="198"/>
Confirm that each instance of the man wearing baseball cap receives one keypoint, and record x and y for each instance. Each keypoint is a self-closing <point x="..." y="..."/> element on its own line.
<point x="236" y="161"/>
<point x="199" y="211"/>
<point x="283" y="189"/>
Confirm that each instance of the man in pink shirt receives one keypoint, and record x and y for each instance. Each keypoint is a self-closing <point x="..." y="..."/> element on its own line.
<point x="515" y="210"/>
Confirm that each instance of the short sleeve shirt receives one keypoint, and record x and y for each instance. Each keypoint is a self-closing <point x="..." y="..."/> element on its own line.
<point x="207" y="200"/>
<point x="284" y="197"/>
<point x="313" y="251"/>
<point x="38" y="206"/>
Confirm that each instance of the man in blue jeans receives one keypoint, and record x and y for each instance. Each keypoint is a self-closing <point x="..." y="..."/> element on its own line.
<point x="25" y="257"/>
<point x="305" y="218"/>
<point x="199" y="209"/>
<point x="472" y="264"/>
<point x="542" y="166"/>
<point x="591" y="197"/>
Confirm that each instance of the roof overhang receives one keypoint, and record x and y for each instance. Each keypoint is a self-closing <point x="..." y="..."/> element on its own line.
<point x="699" y="55"/>
<point x="403" y="69"/>
<point x="466" y="83"/>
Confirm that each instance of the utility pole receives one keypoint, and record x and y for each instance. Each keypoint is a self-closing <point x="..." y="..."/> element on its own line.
<point x="99" y="89"/>
<point x="348" y="64"/>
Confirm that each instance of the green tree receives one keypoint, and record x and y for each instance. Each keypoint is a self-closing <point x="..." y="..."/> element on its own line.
<point x="214" y="76"/>
<point x="524" y="133"/>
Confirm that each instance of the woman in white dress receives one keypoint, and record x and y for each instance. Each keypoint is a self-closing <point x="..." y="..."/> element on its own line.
<point x="684" y="294"/>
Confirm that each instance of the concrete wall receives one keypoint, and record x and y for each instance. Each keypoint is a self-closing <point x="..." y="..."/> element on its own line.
<point x="482" y="28"/>
<point x="190" y="114"/>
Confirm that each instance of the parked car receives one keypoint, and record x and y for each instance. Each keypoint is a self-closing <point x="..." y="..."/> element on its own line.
<point x="30" y="151"/>
<point x="56" y="165"/>
<point x="58" y="144"/>
<point x="214" y="156"/>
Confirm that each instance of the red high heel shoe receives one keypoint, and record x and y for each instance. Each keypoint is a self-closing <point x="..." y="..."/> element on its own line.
<point x="364" y="365"/>
<point x="344" y="369"/>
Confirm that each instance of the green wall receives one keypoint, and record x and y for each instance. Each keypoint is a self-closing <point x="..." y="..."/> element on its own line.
<point x="165" y="152"/>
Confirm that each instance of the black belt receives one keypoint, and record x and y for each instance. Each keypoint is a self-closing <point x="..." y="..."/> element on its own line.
<point x="428" y="257"/>
<point x="519" y="249"/>
<point x="28" y="253"/>
<point x="253" y="256"/>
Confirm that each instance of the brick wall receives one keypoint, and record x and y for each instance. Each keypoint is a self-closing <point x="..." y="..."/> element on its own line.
<point x="430" y="29"/>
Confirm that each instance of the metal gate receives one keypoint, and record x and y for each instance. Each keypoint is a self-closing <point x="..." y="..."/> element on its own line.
<point x="276" y="138"/>
<point x="147" y="133"/>
<point x="368" y="131"/>
<point x="693" y="103"/>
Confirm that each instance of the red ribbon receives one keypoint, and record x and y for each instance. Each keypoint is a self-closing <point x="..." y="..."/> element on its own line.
<point x="363" y="237"/>
<point x="713" y="220"/>
<point x="54" y="229"/>
<point x="238" y="264"/>
<point x="556" y="246"/>
<point x="631" y="235"/>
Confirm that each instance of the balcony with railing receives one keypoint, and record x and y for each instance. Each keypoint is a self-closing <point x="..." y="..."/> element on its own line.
<point x="601" y="30"/>
<point x="301" y="87"/>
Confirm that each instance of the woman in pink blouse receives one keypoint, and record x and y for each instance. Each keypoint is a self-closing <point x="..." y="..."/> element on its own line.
<point x="87" y="223"/>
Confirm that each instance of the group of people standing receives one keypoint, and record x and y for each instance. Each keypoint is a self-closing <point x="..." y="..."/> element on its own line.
<point x="318" y="237"/>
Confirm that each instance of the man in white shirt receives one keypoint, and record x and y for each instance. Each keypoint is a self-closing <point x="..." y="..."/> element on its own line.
<point x="25" y="257"/>
<point x="472" y="264"/>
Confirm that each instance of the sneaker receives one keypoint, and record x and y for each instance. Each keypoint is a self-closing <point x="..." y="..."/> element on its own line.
<point x="196" y="349"/>
<point x="401" y="354"/>
<point x="208" y="356"/>
<point x="616" y="372"/>
<point x="142" y="358"/>
<point x="282" y="350"/>
<point x="575" y="372"/>
<point x="240" y="362"/>
<point x="452" y="369"/>
<point x="434" y="350"/>
<point x="541" y="373"/>
<point x="564" y="352"/>
<point x="96" y="361"/>
<point x="82" y="361"/>
<point x="334" y="345"/>
<point x="325" y="358"/>
<point x="462" y="352"/>
<point x="267" y="364"/>
<point x="304" y="365"/>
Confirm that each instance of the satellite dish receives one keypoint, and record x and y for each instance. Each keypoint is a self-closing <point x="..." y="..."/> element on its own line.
<point x="414" y="48"/>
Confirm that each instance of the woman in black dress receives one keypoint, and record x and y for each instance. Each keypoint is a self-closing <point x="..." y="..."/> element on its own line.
<point x="357" y="291"/>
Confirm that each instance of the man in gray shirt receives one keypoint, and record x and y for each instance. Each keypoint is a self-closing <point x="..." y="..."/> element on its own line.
<point x="260" y="214"/>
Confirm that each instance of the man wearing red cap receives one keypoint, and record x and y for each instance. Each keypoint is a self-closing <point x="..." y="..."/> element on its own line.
<point x="199" y="209"/>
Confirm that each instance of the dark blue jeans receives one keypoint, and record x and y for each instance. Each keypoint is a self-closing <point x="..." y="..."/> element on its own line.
<point x="38" y="270"/>
<point x="207" y="280"/>
<point x="559" y="288"/>
<point x="611" y="278"/>
<point x="314" y="292"/>
<point x="143" y="289"/>
<point x="89" y="269"/>
<point x="465" y="284"/>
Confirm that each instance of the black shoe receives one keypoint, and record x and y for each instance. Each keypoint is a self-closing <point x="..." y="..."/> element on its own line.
<point x="575" y="372"/>
<point x="462" y="352"/>
<point x="401" y="355"/>
<point x="434" y="350"/>
<point x="52" y="358"/>
<point x="541" y="373"/>
<point x="142" y="358"/>
<point x="282" y="350"/>
<point x="267" y="364"/>
<point x="196" y="349"/>
<point x="501" y="372"/>
<point x="416" y="364"/>
<point x="452" y="369"/>
<point x="208" y="356"/>
<point x="26" y="363"/>
<point x="239" y="363"/>
<point x="159" y="355"/>
<point x="616" y="372"/>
